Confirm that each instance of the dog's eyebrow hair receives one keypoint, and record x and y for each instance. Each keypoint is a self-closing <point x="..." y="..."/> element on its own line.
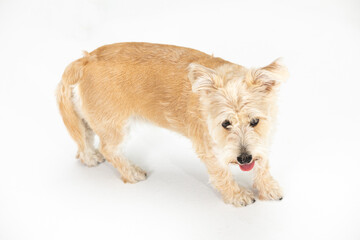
<point x="260" y="116"/>
<point x="239" y="108"/>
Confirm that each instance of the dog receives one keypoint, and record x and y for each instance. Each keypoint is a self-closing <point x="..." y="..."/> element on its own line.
<point x="226" y="110"/>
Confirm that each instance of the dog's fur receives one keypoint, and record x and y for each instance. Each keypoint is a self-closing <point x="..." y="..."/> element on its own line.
<point x="180" y="89"/>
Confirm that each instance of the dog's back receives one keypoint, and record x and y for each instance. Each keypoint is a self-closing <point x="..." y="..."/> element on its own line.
<point x="102" y="91"/>
<point x="143" y="79"/>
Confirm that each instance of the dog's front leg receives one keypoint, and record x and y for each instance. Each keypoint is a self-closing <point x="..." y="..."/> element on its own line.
<point x="267" y="186"/>
<point x="221" y="178"/>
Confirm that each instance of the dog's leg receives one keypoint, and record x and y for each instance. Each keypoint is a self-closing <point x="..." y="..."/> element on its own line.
<point x="223" y="181"/>
<point x="267" y="186"/>
<point x="89" y="155"/>
<point x="110" y="147"/>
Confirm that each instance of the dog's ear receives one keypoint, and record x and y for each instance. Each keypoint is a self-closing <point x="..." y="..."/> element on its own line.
<point x="269" y="77"/>
<point x="203" y="79"/>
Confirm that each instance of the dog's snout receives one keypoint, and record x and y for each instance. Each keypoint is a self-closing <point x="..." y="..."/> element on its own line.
<point x="244" y="158"/>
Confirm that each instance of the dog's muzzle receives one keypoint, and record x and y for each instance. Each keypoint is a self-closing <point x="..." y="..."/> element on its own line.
<point x="244" y="158"/>
<point x="246" y="161"/>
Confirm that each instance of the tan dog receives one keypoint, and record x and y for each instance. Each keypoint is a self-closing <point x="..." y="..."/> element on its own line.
<point x="226" y="110"/>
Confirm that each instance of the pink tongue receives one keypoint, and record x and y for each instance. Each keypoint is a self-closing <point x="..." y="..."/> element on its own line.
<point x="247" y="167"/>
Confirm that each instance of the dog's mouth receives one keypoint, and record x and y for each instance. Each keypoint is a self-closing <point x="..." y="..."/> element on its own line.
<point x="245" y="167"/>
<point x="248" y="166"/>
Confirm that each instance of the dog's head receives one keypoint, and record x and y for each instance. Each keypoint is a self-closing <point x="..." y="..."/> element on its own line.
<point x="239" y="107"/>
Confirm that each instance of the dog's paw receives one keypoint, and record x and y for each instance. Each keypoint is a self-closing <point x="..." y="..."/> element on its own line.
<point x="270" y="190"/>
<point x="134" y="175"/>
<point x="100" y="158"/>
<point x="241" y="198"/>
<point x="91" y="159"/>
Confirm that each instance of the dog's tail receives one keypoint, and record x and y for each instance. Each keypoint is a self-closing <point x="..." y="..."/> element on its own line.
<point x="64" y="94"/>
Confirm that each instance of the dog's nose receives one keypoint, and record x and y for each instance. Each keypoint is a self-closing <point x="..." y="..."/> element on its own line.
<point x="244" y="158"/>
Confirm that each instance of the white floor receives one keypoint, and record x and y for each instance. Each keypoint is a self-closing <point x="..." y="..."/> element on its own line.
<point x="46" y="194"/>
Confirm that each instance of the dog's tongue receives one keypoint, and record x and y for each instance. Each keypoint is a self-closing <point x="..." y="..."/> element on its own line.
<point x="247" y="167"/>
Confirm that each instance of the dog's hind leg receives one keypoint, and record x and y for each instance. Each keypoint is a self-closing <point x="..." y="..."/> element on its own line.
<point x="68" y="99"/>
<point x="89" y="155"/>
<point x="111" y="144"/>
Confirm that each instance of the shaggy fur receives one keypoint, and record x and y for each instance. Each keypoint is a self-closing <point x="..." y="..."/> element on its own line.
<point x="180" y="89"/>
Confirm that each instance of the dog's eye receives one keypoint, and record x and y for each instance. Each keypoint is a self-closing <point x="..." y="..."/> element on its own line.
<point x="225" y="124"/>
<point x="254" y="122"/>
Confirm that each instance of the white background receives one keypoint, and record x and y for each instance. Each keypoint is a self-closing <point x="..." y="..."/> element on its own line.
<point x="45" y="193"/>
